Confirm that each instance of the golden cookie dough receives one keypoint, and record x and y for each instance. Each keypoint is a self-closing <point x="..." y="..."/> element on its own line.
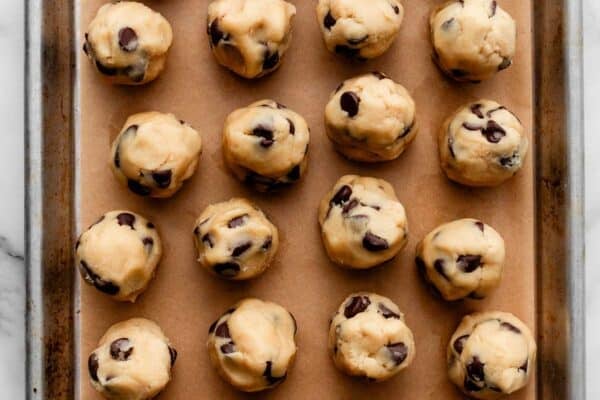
<point x="252" y="345"/>
<point x="249" y="37"/>
<point x="371" y="118"/>
<point x="128" y="42"/>
<point x="368" y="337"/>
<point x="266" y="145"/>
<point x="482" y="144"/>
<point x="362" y="222"/>
<point x="472" y="39"/>
<point x="133" y="361"/>
<point x="463" y="258"/>
<point x="235" y="240"/>
<point x="119" y="254"/>
<point x="155" y="153"/>
<point x="359" y="29"/>
<point x="491" y="354"/>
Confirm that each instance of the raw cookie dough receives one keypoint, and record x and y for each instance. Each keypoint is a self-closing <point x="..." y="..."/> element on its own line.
<point x="362" y="222"/>
<point x="490" y="355"/>
<point x="118" y="254"/>
<point x="482" y="144"/>
<point x="133" y="361"/>
<point x="359" y="29"/>
<point x="128" y="42"/>
<point x="368" y="337"/>
<point x="463" y="258"/>
<point x="266" y="145"/>
<point x="235" y="240"/>
<point x="249" y="37"/>
<point x="370" y="118"/>
<point x="252" y="345"/>
<point x="472" y="39"/>
<point x="155" y="153"/>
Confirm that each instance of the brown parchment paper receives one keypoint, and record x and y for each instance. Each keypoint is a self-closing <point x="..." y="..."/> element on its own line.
<point x="184" y="299"/>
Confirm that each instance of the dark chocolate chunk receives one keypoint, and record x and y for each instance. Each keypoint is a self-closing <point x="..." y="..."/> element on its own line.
<point x="493" y="132"/>
<point x="227" y="269"/>
<point x="162" y="178"/>
<point x="237" y="221"/>
<point x="458" y="73"/>
<point x="269" y="376"/>
<point x="138" y="188"/>
<point x="128" y="39"/>
<point x="373" y="242"/>
<point x="93" y="366"/>
<point x="223" y="331"/>
<point x="349" y="102"/>
<point x="228" y="348"/>
<point x="329" y="21"/>
<point x="506" y="62"/>
<point x="93" y="279"/>
<point x="292" y="126"/>
<point x="108" y="71"/>
<point x="294" y="173"/>
<point x="347" y="51"/>
<point x="480" y="225"/>
<point x="471" y="386"/>
<point x="271" y="59"/>
<point x="342" y="195"/>
<point x="117" y="159"/>
<point x="150" y="225"/>
<point x="349" y="206"/>
<point x="207" y="240"/>
<point x="215" y="33"/>
<point x="475" y="370"/>
<point x="510" y="161"/>
<point x="356" y="305"/>
<point x="267" y="244"/>
<point x="386" y="312"/>
<point x="524" y="366"/>
<point x="241" y="249"/>
<point x="398" y="352"/>
<point x="266" y="135"/>
<point x="493" y="7"/>
<point x="379" y="75"/>
<point x="172" y="355"/>
<point x="468" y="262"/>
<point x="476" y="109"/>
<point x="510" y="327"/>
<point x="148" y="243"/>
<point x="212" y="326"/>
<point x="126" y="219"/>
<point x="459" y="344"/>
<point x="396" y="9"/>
<point x="121" y="349"/>
<point x="439" y="267"/>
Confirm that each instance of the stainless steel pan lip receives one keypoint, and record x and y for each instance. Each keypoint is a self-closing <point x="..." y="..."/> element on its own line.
<point x="37" y="383"/>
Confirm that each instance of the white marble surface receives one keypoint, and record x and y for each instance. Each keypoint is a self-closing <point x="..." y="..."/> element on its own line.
<point x="12" y="286"/>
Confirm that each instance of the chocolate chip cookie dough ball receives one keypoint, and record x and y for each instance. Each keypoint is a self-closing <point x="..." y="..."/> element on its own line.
<point x="482" y="144"/>
<point x="266" y="145"/>
<point x="128" y="42"/>
<point x="235" y="239"/>
<point x="371" y="118"/>
<point x="472" y="39"/>
<point x="155" y="153"/>
<point x="362" y="222"/>
<point x="357" y="28"/>
<point x="463" y="258"/>
<point x="118" y="254"/>
<point x="133" y="361"/>
<point x="491" y="354"/>
<point x="249" y="37"/>
<point x="252" y="345"/>
<point x="368" y="337"/>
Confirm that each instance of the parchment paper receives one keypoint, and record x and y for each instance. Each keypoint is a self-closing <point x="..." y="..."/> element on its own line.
<point x="184" y="299"/>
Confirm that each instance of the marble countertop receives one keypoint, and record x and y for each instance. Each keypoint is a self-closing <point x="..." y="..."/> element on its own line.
<point x="12" y="274"/>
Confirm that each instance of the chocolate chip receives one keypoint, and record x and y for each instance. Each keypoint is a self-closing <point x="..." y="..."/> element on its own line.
<point x="77" y="244"/>
<point x="227" y="269"/>
<point x="506" y="62"/>
<point x="398" y="352"/>
<point x="510" y="327"/>
<point x="458" y="73"/>
<point x="354" y="42"/>
<point x="476" y="109"/>
<point x="329" y="21"/>
<point x="493" y="110"/>
<point x="459" y="344"/>
<point x="406" y="130"/>
<point x="379" y="75"/>
<point x="172" y="355"/>
<point x="349" y="102"/>
<point x="237" y="221"/>
<point x="223" y="331"/>
<point x="241" y="249"/>
<point x="215" y="33"/>
<point x="269" y="377"/>
<point x="493" y="132"/>
<point x="357" y="304"/>
<point x="106" y="70"/>
<point x="207" y="240"/>
<point x="126" y="219"/>
<point x="212" y="327"/>
<point x="475" y="296"/>
<point x="292" y="126"/>
<point x="265" y="133"/>
<point x="468" y="263"/>
<point x="342" y="195"/>
<point x="121" y="349"/>
<point x="128" y="39"/>
<point x="136" y="72"/>
<point x="439" y="267"/>
<point x="373" y="206"/>
<point x="86" y="44"/>
<point x="471" y="386"/>
<point x="349" y="206"/>
<point x="294" y="173"/>
<point x="162" y="178"/>
<point x="228" y="348"/>
<point x="347" y="51"/>
<point x="524" y="366"/>
<point x="510" y="161"/>
<point x="479" y="225"/>
<point x="267" y="244"/>
<point x="373" y="242"/>
<point x="92" y="278"/>
<point x="148" y="243"/>
<point x="447" y="24"/>
<point x="396" y="9"/>
<point x="93" y="366"/>
<point x="475" y="370"/>
<point x="271" y="60"/>
<point x="386" y="312"/>
<point x="493" y="7"/>
<point x="138" y="188"/>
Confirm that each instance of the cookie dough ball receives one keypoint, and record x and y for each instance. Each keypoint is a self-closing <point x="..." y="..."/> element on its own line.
<point x="133" y="361"/>
<point x="249" y="37"/>
<point x="266" y="145"/>
<point x="490" y="355"/>
<point x="368" y="337"/>
<point x="362" y="222"/>
<point x="235" y="239"/>
<point x="472" y="39"/>
<point x="128" y="42"/>
<point x="482" y="144"/>
<point x="370" y="118"/>
<point x="252" y="345"/>
<point x="463" y="258"/>
<point x="155" y="153"/>
<point x="118" y="254"/>
<point x="357" y="28"/>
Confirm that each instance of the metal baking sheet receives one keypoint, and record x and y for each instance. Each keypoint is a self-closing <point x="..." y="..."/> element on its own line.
<point x="51" y="148"/>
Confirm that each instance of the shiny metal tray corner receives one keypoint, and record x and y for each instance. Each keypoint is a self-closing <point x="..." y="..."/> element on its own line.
<point x="51" y="109"/>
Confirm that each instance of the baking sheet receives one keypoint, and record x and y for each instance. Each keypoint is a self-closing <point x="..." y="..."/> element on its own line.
<point x="184" y="299"/>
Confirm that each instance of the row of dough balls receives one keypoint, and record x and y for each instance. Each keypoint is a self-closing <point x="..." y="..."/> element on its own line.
<point x="472" y="39"/>
<point x="362" y="225"/>
<point x="369" y="118"/>
<point x="252" y="346"/>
